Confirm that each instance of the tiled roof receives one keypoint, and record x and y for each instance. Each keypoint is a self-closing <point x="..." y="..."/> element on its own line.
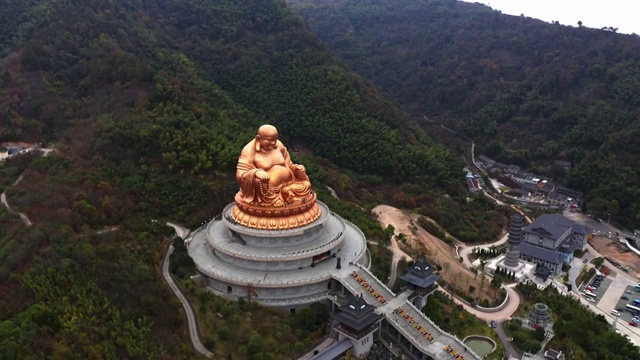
<point x="550" y="225"/>
<point x="537" y="252"/>
<point x="420" y="274"/>
<point x="580" y="229"/>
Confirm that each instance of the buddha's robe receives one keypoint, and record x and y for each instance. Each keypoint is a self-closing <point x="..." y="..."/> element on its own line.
<point x="286" y="180"/>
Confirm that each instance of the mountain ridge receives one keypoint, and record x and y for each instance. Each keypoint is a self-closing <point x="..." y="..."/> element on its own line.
<point x="545" y="91"/>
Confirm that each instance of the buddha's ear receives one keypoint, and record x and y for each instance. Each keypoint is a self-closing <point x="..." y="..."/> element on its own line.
<point x="258" y="143"/>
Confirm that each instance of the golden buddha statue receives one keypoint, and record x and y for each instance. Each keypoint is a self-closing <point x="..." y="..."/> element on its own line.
<point x="274" y="192"/>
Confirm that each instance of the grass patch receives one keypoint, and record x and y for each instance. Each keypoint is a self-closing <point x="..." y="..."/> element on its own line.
<point x="579" y="253"/>
<point x="524" y="339"/>
<point x="585" y="276"/>
<point x="454" y="319"/>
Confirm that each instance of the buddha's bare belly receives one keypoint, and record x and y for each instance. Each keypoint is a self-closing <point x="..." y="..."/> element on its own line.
<point x="279" y="174"/>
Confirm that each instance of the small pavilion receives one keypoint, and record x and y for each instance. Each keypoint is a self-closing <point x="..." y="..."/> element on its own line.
<point x="422" y="280"/>
<point x="542" y="272"/>
<point x="356" y="321"/>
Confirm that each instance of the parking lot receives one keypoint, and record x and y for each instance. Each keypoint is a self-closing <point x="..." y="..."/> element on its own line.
<point x="625" y="315"/>
<point x="601" y="288"/>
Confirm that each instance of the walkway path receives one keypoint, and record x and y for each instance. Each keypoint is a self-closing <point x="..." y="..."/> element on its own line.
<point x="192" y="321"/>
<point x="5" y="202"/>
<point x="181" y="231"/>
<point x="465" y="250"/>
<point x="388" y="216"/>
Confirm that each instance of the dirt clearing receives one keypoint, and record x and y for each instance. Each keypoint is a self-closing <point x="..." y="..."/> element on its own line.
<point x="617" y="251"/>
<point x="418" y="243"/>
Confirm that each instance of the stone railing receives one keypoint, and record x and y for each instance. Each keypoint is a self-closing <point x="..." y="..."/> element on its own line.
<point x="494" y="309"/>
<point x="358" y="256"/>
<point x="376" y="279"/>
<point x="293" y="301"/>
<point x="293" y="255"/>
<point x="271" y="284"/>
<point x="346" y="284"/>
<point x="306" y="251"/>
<point x="442" y="332"/>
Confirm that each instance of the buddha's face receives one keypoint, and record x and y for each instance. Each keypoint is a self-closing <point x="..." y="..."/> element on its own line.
<point x="268" y="140"/>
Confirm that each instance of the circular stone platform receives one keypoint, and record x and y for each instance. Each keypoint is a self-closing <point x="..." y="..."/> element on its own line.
<point x="281" y="267"/>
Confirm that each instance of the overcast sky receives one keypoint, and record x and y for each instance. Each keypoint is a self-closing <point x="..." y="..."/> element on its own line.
<point x="623" y="14"/>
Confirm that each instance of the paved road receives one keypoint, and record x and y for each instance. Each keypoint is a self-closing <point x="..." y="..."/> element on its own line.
<point x="509" y="350"/>
<point x="398" y="255"/>
<point x="192" y="321"/>
<point x="181" y="231"/>
<point x="574" y="271"/>
<point x="583" y="219"/>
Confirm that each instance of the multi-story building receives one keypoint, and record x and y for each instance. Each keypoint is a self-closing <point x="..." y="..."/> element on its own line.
<point x="551" y="241"/>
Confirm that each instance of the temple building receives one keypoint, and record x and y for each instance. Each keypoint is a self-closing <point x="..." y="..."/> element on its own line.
<point x="551" y="240"/>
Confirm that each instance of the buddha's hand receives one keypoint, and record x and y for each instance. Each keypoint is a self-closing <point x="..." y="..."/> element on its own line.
<point x="262" y="176"/>
<point x="300" y="168"/>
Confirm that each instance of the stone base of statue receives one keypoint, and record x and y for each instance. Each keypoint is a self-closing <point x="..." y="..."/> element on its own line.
<point x="299" y="213"/>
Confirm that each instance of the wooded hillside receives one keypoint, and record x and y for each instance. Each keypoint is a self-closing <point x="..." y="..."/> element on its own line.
<point x="528" y="92"/>
<point x="147" y="104"/>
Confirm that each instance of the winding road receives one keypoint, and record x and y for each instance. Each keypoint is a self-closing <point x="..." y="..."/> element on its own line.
<point x="192" y="321"/>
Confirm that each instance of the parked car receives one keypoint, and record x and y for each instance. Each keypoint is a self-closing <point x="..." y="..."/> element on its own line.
<point x="629" y="292"/>
<point x="624" y="298"/>
<point x="615" y="313"/>
<point x="493" y="324"/>
<point x="633" y="323"/>
<point x="620" y="310"/>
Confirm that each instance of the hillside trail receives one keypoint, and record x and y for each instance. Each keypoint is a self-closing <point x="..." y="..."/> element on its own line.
<point x="5" y="202"/>
<point x="388" y="215"/>
<point x="3" y="197"/>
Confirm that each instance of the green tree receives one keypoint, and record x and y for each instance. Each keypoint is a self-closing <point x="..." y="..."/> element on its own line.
<point x="224" y="333"/>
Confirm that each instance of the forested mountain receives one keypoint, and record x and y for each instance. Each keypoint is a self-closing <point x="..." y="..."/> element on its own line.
<point x="528" y="92"/>
<point x="147" y="104"/>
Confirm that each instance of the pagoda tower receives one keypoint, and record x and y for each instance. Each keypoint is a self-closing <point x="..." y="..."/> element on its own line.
<point x="516" y="222"/>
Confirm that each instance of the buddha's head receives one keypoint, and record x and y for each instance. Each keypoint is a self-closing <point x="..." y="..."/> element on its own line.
<point x="267" y="138"/>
